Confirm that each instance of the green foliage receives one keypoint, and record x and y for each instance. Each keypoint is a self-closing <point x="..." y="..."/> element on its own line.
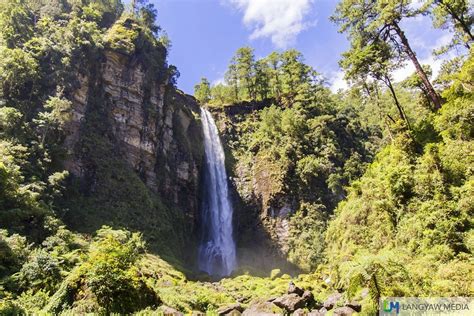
<point x="293" y="161"/>
<point x="306" y="237"/>
<point x="122" y="36"/>
<point x="410" y="204"/>
<point x="455" y="15"/>
<point x="202" y="91"/>
<point x="378" y="43"/>
<point x="16" y="22"/>
<point x="379" y="273"/>
<point x="18" y="73"/>
<point x="283" y="77"/>
<point x="42" y="271"/>
<point x="14" y="252"/>
<point x="111" y="274"/>
<point x="9" y="120"/>
<point x="32" y="301"/>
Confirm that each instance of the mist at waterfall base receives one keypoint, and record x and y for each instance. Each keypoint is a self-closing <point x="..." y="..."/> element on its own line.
<point x="217" y="254"/>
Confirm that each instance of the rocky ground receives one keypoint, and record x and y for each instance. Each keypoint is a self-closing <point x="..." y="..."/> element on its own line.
<point x="297" y="301"/>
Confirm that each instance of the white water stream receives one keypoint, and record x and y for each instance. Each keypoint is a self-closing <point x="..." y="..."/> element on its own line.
<point x="217" y="249"/>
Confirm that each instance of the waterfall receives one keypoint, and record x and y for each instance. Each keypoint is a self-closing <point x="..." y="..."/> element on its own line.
<point x="217" y="249"/>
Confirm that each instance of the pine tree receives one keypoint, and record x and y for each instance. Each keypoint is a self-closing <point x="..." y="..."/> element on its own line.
<point x="202" y="91"/>
<point x="380" y="21"/>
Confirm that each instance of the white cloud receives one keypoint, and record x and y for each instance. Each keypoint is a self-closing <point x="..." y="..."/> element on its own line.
<point x="338" y="82"/>
<point x="220" y="80"/>
<point x="409" y="68"/>
<point x="279" y="20"/>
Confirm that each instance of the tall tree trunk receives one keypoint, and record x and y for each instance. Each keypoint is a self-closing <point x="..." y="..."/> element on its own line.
<point x="424" y="78"/>
<point x="462" y="22"/>
<point x="388" y="83"/>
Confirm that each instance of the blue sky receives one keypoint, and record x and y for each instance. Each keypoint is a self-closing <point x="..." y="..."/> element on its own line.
<point x="206" y="33"/>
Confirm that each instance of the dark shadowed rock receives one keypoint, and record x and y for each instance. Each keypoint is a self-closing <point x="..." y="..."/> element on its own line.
<point x="355" y="306"/>
<point x="290" y="302"/>
<point x="308" y="298"/>
<point x="343" y="311"/>
<point x="227" y="310"/>
<point x="293" y="289"/>
<point x="331" y="301"/>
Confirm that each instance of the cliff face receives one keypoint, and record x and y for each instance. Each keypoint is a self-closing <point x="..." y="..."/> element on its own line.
<point x="289" y="166"/>
<point x="261" y="205"/>
<point x="129" y="117"/>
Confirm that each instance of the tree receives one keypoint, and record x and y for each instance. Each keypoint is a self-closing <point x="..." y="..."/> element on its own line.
<point x="455" y="14"/>
<point x="9" y="120"/>
<point x="262" y="80"/>
<point x="173" y="75"/>
<point x="221" y="94"/>
<point x="244" y="61"/>
<point x="380" y="21"/>
<point x="202" y="91"/>
<point x="273" y="61"/>
<point x="232" y="79"/>
<point x="110" y="10"/>
<point x="297" y="78"/>
<point x="414" y="82"/>
<point x="16" y="23"/>
<point x="374" y="60"/>
<point x="58" y="111"/>
<point x="18" y="74"/>
<point x="146" y="14"/>
<point x="111" y="273"/>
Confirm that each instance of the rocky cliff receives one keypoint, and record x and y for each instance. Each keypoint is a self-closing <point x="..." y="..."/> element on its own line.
<point x="289" y="166"/>
<point x="127" y="116"/>
<point x="262" y="207"/>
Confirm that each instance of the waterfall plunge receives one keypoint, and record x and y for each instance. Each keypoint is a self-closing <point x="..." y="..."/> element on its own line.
<point x="217" y="249"/>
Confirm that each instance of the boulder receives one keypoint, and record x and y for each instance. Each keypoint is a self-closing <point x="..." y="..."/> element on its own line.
<point x="316" y="313"/>
<point x="343" y="311"/>
<point x="168" y="311"/>
<point x="299" y="312"/>
<point x="331" y="301"/>
<point x="290" y="302"/>
<point x="262" y="308"/>
<point x="228" y="309"/>
<point x="293" y="289"/>
<point x="355" y="306"/>
<point x="308" y="298"/>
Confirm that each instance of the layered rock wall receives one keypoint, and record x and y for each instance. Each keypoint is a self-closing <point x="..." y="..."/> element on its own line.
<point x="154" y="130"/>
